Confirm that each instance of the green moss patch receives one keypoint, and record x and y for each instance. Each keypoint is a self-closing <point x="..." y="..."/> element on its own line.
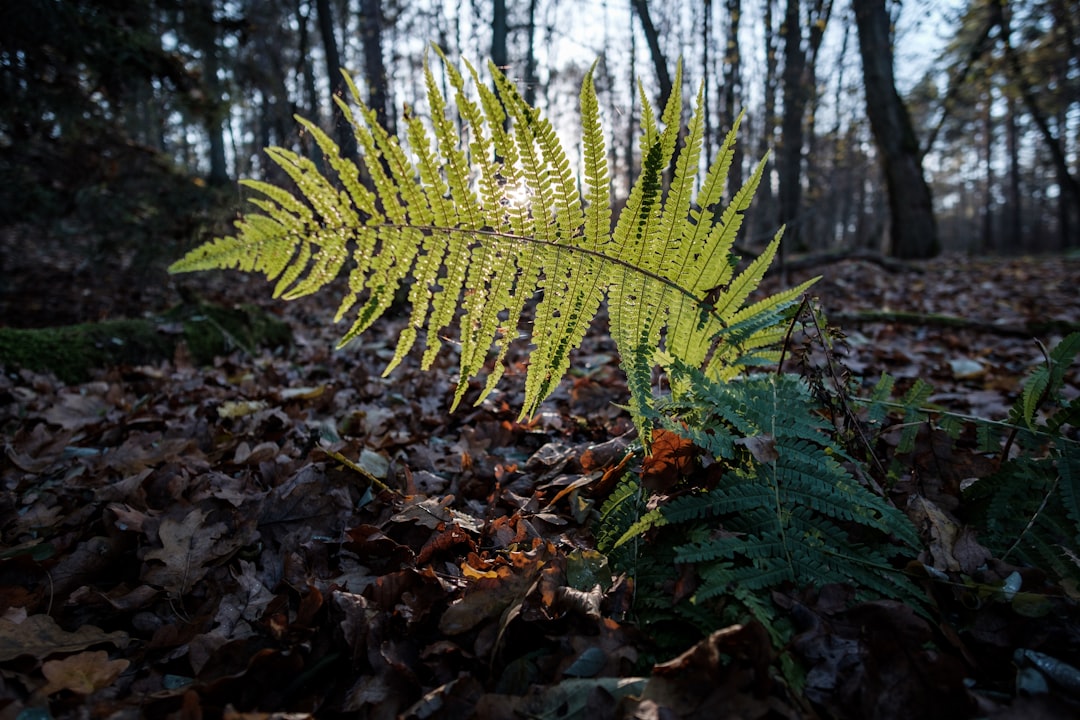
<point x="71" y="351"/>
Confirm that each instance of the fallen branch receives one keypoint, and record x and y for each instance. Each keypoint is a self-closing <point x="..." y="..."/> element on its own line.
<point x="71" y="351"/>
<point x="807" y="262"/>
<point x="1031" y="329"/>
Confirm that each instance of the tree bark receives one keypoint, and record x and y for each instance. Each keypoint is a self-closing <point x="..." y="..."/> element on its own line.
<point x="912" y="224"/>
<point x="789" y="162"/>
<point x="988" y="167"/>
<point x="1069" y="185"/>
<point x="307" y="71"/>
<point x="1014" y="237"/>
<point x="764" y="216"/>
<point x="205" y="32"/>
<point x="371" y="30"/>
<point x="733" y="88"/>
<point x="641" y="8"/>
<point x="531" y="79"/>
<point x="346" y="140"/>
<point x="499" y="31"/>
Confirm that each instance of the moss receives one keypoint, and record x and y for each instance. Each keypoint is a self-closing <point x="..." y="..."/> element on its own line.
<point x="72" y="351"/>
<point x="213" y="330"/>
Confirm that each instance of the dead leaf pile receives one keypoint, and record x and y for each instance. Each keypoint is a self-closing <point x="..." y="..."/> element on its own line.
<point x="294" y="533"/>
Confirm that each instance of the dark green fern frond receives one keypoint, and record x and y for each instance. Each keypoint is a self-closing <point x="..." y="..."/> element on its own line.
<point x="623" y="507"/>
<point x="787" y="511"/>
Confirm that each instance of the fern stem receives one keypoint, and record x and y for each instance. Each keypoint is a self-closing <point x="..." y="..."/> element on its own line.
<point x="841" y="392"/>
<point x="1038" y="403"/>
<point x="1031" y="522"/>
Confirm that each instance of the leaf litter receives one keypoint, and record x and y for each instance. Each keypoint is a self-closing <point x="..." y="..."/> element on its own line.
<point x="187" y="542"/>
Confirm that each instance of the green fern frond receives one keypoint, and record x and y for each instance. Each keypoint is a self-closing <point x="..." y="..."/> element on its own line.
<point x="914" y="404"/>
<point x="479" y="209"/>
<point x="787" y="511"/>
<point x="1046" y="380"/>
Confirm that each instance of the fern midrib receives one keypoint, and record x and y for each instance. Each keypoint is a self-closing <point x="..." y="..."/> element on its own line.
<point x="626" y="264"/>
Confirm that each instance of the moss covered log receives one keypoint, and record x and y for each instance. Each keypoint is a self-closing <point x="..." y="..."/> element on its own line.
<point x="72" y="351"/>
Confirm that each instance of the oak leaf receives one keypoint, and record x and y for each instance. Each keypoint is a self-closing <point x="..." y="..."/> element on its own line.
<point x="83" y="674"/>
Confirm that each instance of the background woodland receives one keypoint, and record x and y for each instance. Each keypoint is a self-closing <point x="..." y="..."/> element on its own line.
<point x="207" y="509"/>
<point x="984" y="103"/>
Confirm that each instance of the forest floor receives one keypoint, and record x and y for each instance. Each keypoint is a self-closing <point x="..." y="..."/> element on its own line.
<point x="183" y="541"/>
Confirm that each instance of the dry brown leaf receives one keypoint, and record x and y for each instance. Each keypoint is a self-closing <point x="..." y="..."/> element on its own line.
<point x="40" y="636"/>
<point x="186" y="547"/>
<point x="671" y="458"/>
<point x="73" y="411"/>
<point x="83" y="673"/>
<point x="762" y="447"/>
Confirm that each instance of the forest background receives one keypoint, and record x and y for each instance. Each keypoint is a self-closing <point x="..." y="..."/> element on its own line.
<point x="195" y="507"/>
<point x="988" y="110"/>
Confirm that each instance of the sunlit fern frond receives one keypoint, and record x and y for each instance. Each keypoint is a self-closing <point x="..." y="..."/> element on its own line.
<point x="479" y="209"/>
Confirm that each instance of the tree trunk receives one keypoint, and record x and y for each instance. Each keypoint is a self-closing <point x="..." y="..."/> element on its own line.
<point x="706" y="41"/>
<point x="499" y="31"/>
<point x="988" y="167"/>
<point x="631" y="125"/>
<point x="205" y="32"/>
<point x="371" y="30"/>
<point x="531" y="79"/>
<point x="346" y="140"/>
<point x="641" y="7"/>
<point x="733" y="88"/>
<point x="1069" y="186"/>
<point x="789" y="162"/>
<point x="1014" y="236"/>
<point x="307" y="71"/>
<point x="765" y="215"/>
<point x="913" y="229"/>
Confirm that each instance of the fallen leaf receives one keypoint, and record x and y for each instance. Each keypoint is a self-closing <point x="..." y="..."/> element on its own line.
<point x="672" y="457"/>
<point x="83" y="673"/>
<point x="762" y="447"/>
<point x="186" y="547"/>
<point x="39" y="636"/>
<point x="73" y="411"/>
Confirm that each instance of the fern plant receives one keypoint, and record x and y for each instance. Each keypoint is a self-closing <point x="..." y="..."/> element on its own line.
<point x="479" y="206"/>
<point x="1029" y="510"/>
<point x="783" y="511"/>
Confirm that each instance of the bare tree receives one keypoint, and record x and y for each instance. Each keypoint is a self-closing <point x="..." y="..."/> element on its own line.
<point x="912" y="223"/>
<point x="733" y="86"/>
<point x="346" y="140"/>
<point x="799" y="85"/>
<point x="371" y="31"/>
<point x="652" y="37"/>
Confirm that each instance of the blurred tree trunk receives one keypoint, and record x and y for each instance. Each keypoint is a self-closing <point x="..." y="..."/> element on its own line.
<point x="663" y="77"/>
<point x="799" y="81"/>
<point x="530" y="57"/>
<point x="764" y="227"/>
<point x="913" y="229"/>
<point x="706" y="42"/>
<point x="1014" y="236"/>
<point x="204" y="34"/>
<point x="988" y="190"/>
<point x="499" y="31"/>
<point x="371" y="31"/>
<point x="631" y="126"/>
<point x="1069" y="186"/>
<point x="346" y="140"/>
<point x="733" y="89"/>
<point x="789" y="160"/>
<point x="307" y="72"/>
